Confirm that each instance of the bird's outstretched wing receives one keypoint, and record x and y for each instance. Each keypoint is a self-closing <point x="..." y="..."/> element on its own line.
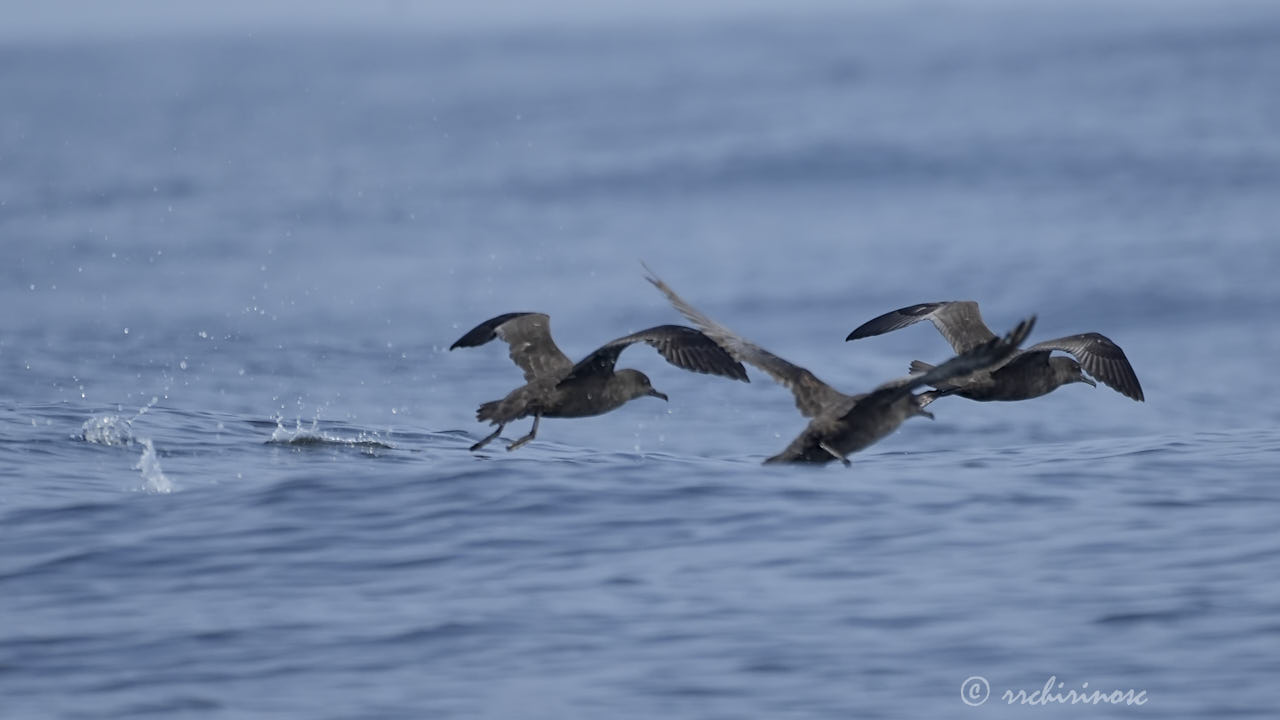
<point x="682" y="346"/>
<point x="959" y="322"/>
<point x="1100" y="358"/>
<point x="529" y="338"/>
<point x="813" y="397"/>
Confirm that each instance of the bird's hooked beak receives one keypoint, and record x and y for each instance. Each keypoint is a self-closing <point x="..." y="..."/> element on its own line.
<point x="655" y="393"/>
<point x="927" y="414"/>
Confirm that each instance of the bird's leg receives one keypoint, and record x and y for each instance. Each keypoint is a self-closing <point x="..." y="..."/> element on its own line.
<point x="488" y="439"/>
<point x="835" y="454"/>
<point x="533" y="431"/>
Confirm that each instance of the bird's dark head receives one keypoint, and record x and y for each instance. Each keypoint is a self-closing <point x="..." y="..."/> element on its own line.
<point x="637" y="384"/>
<point x="1068" y="371"/>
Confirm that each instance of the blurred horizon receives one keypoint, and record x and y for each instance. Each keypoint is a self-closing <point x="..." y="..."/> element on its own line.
<point x="82" y="19"/>
<point x="69" y="19"/>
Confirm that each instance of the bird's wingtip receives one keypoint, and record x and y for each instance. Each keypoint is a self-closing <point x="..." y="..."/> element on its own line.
<point x="649" y="274"/>
<point x="1022" y="330"/>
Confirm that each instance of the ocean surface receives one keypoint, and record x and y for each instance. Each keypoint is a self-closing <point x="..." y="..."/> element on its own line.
<point x="234" y="468"/>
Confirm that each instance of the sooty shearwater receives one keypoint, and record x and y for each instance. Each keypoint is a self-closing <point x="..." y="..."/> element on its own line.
<point x="556" y="387"/>
<point x="844" y="424"/>
<point x="1027" y="374"/>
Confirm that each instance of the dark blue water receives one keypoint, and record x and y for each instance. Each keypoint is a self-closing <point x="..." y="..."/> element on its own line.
<point x="234" y="476"/>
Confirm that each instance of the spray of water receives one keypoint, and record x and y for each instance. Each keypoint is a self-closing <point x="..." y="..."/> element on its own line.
<point x="153" y="478"/>
<point x="117" y="431"/>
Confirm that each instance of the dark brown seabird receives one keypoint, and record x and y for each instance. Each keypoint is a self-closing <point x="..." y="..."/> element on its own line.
<point x="556" y="387"/>
<point x="1024" y="375"/>
<point x="844" y="424"/>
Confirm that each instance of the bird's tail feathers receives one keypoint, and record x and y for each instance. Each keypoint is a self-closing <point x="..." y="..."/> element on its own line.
<point x="503" y="411"/>
<point x="919" y="366"/>
<point x="489" y="411"/>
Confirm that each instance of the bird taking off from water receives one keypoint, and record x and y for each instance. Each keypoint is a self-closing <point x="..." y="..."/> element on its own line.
<point x="1027" y="374"/>
<point x="556" y="387"/>
<point x="843" y="424"/>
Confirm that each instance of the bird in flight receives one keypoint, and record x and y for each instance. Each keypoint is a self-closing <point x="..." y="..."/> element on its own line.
<point x="557" y="387"/>
<point x="842" y="424"/>
<point x="1024" y="375"/>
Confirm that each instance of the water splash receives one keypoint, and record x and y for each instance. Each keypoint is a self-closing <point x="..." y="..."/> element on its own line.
<point x="300" y="436"/>
<point x="153" y="478"/>
<point x="143" y="410"/>
<point x="111" y="430"/>
<point x="117" y="431"/>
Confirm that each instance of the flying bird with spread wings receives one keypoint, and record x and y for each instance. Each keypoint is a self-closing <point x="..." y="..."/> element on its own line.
<point x="1023" y="375"/>
<point x="556" y="387"/>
